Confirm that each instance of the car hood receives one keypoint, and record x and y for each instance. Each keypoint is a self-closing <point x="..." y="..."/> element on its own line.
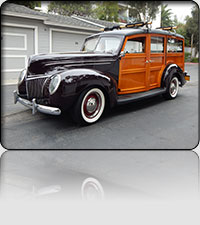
<point x="46" y="63"/>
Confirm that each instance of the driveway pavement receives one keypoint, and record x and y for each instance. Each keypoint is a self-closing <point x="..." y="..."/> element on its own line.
<point x="150" y="124"/>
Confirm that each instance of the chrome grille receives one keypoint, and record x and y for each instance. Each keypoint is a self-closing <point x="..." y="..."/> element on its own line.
<point x="35" y="87"/>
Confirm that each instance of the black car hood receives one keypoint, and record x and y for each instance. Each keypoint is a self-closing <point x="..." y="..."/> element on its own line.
<point x="45" y="63"/>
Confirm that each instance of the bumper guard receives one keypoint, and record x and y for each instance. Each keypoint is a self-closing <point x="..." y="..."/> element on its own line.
<point x="36" y="107"/>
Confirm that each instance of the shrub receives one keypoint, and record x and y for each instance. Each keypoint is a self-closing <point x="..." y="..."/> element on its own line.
<point x="195" y="60"/>
<point x="187" y="57"/>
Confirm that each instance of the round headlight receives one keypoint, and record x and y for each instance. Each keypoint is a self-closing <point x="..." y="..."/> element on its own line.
<point x="22" y="76"/>
<point x="54" y="84"/>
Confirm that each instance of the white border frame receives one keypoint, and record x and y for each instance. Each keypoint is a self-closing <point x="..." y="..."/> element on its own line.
<point x="17" y="35"/>
<point x="64" y="31"/>
<point x="26" y="26"/>
<point x="15" y="56"/>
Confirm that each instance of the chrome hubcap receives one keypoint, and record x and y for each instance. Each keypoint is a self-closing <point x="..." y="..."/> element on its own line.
<point x="174" y="87"/>
<point x="92" y="105"/>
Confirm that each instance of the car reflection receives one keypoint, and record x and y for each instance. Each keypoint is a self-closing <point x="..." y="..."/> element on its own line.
<point x="99" y="175"/>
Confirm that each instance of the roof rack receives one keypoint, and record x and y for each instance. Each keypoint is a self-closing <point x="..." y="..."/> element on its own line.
<point x="167" y="28"/>
<point x="129" y="25"/>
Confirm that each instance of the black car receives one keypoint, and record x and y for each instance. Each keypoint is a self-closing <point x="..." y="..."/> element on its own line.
<point x="113" y="67"/>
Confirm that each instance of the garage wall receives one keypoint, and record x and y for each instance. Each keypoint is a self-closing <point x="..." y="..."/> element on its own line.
<point x="42" y="32"/>
<point x="22" y="37"/>
<point x="65" y="40"/>
<point x="17" y="45"/>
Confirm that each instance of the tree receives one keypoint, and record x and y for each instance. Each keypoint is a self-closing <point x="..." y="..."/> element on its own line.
<point x="166" y="16"/>
<point x="29" y="4"/>
<point x="181" y="29"/>
<point x="192" y="28"/>
<point x="106" y="10"/>
<point x="146" y="10"/>
<point x="82" y="8"/>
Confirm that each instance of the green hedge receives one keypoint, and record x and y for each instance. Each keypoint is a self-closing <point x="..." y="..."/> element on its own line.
<point x="195" y="60"/>
<point x="187" y="57"/>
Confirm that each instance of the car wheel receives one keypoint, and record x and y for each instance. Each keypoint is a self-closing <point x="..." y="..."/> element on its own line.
<point x="173" y="88"/>
<point x="89" y="107"/>
<point x="92" y="190"/>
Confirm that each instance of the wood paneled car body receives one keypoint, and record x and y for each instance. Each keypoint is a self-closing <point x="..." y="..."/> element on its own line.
<point x="116" y="66"/>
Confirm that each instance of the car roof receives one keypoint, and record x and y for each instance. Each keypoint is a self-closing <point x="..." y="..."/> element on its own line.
<point x="131" y="31"/>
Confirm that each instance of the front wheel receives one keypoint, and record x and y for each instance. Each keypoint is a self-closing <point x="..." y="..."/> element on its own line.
<point x="89" y="107"/>
<point x="173" y="88"/>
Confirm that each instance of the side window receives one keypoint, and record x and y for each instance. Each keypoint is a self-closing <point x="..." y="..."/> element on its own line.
<point x="174" y="45"/>
<point x="157" y="44"/>
<point x="135" y="45"/>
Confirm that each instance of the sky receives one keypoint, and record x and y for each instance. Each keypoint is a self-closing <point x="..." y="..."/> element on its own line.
<point x="181" y="9"/>
<point x="178" y="8"/>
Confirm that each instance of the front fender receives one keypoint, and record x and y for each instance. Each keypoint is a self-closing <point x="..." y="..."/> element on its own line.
<point x="169" y="71"/>
<point x="75" y="81"/>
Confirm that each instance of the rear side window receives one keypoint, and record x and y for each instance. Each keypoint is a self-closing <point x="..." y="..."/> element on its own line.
<point x="174" y="45"/>
<point x="135" y="45"/>
<point x="157" y="44"/>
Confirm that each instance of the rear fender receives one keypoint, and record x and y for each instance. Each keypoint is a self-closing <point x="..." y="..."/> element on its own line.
<point x="169" y="71"/>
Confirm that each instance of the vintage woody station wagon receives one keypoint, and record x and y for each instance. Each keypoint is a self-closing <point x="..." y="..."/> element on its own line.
<point x="117" y="66"/>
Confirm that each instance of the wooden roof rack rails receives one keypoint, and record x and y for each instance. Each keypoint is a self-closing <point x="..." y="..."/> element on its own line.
<point x="167" y="28"/>
<point x="129" y="25"/>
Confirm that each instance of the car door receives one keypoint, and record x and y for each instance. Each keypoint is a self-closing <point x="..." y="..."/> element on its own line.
<point x="157" y="59"/>
<point x="134" y="68"/>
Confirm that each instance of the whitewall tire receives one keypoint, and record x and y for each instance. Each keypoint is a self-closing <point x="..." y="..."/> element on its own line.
<point x="172" y="89"/>
<point x="90" y="106"/>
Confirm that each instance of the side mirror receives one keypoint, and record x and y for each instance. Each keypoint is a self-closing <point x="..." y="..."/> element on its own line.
<point x="122" y="54"/>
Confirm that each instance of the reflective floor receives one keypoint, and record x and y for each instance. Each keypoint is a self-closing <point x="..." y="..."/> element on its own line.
<point x="100" y="175"/>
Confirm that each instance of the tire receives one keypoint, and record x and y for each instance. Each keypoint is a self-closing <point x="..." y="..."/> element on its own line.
<point x="92" y="189"/>
<point x="89" y="107"/>
<point x="172" y="89"/>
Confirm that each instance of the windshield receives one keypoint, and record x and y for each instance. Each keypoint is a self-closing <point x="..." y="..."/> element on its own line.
<point x="102" y="44"/>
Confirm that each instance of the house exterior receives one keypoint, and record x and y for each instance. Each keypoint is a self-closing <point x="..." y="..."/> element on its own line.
<point x="26" y="32"/>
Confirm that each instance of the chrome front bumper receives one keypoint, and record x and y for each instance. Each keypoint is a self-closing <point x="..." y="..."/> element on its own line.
<point x="36" y="107"/>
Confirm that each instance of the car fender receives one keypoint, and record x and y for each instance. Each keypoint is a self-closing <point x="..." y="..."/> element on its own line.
<point x="169" y="71"/>
<point x="75" y="81"/>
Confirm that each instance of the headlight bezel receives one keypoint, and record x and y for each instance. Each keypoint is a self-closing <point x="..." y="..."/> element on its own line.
<point x="22" y="76"/>
<point x="56" y="85"/>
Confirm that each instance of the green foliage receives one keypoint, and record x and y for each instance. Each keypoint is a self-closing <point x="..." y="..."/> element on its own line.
<point x="192" y="27"/>
<point x="106" y="10"/>
<point x="187" y="57"/>
<point x="195" y="60"/>
<point x="29" y="4"/>
<point x="181" y="30"/>
<point x="146" y="10"/>
<point x="166" y="16"/>
<point x="69" y="8"/>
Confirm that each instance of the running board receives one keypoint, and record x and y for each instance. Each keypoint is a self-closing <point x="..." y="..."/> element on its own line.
<point x="123" y="99"/>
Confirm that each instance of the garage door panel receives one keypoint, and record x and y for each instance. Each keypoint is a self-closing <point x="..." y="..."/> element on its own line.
<point x="17" y="39"/>
<point x="9" y="77"/>
<point x="14" y="41"/>
<point x="12" y="52"/>
<point x="65" y="42"/>
<point x="18" y="44"/>
<point x="11" y="63"/>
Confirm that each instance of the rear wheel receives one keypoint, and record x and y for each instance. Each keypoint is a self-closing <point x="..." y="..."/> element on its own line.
<point x="173" y="88"/>
<point x="89" y="107"/>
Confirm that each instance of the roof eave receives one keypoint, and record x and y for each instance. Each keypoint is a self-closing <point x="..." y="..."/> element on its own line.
<point x="29" y="16"/>
<point x="46" y="22"/>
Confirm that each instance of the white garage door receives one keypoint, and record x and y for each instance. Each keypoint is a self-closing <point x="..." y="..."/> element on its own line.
<point x="65" y="42"/>
<point x="17" y="46"/>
